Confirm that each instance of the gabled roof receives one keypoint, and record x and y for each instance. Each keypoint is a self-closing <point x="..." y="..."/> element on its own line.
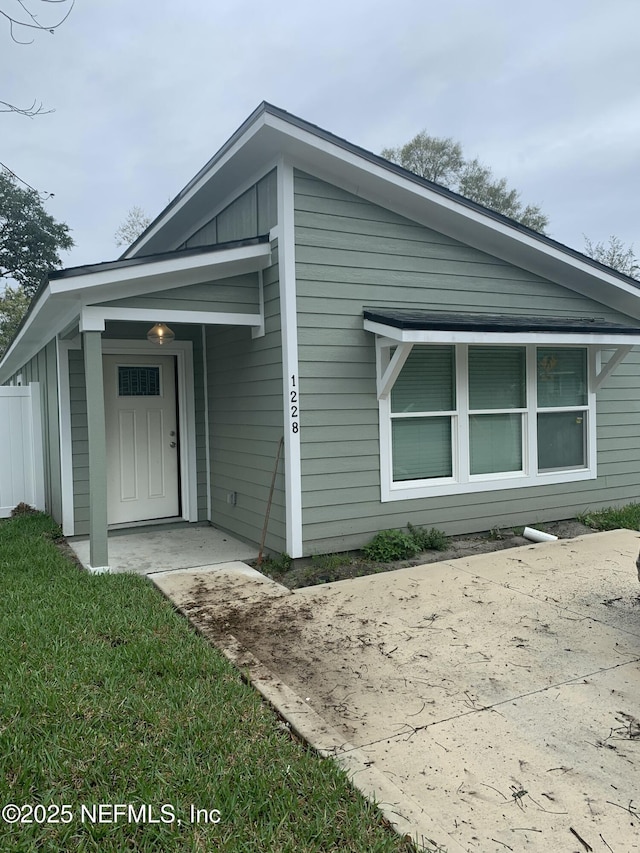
<point x="271" y="136"/>
<point x="271" y="133"/>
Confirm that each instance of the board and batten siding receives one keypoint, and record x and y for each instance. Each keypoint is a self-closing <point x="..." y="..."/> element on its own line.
<point x="253" y="213"/>
<point x="352" y="254"/>
<point x="246" y="423"/>
<point x="43" y="368"/>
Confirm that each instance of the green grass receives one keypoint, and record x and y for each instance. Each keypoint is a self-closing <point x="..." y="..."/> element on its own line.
<point x="108" y="696"/>
<point x="613" y="518"/>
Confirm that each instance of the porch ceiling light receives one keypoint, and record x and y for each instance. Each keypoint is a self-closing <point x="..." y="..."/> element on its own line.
<point x="160" y="334"/>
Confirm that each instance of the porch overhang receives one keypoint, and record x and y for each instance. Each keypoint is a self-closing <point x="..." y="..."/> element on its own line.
<point x="402" y="328"/>
<point x="80" y="296"/>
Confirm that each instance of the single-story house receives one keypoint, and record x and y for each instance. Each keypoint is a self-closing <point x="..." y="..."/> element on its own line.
<point x="425" y="359"/>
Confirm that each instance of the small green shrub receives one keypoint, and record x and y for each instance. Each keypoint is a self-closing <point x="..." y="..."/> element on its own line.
<point x="428" y="540"/>
<point x="390" y="545"/>
<point x="278" y="565"/>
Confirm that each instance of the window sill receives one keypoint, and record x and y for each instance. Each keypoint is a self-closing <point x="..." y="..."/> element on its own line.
<point x="403" y="492"/>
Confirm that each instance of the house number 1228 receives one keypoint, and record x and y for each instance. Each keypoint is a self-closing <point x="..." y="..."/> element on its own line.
<point x="293" y="401"/>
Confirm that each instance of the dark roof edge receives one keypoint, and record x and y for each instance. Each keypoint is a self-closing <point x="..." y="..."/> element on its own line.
<point x="260" y="109"/>
<point x="407" y="319"/>
<point x="316" y="130"/>
<point x="120" y="264"/>
<point x="123" y="263"/>
<point x="443" y="191"/>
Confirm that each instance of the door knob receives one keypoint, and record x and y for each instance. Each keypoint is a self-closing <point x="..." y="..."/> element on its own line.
<point x="172" y="444"/>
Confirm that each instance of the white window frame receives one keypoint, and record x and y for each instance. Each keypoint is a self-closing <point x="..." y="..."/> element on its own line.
<point x="463" y="482"/>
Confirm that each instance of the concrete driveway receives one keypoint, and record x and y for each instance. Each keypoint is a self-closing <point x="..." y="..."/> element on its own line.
<point x="489" y="703"/>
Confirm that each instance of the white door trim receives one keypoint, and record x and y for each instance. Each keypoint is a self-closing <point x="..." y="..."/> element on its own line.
<point x="183" y="351"/>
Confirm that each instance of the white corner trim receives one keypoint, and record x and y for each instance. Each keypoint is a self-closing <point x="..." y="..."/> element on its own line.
<point x="291" y="379"/>
<point x="183" y="350"/>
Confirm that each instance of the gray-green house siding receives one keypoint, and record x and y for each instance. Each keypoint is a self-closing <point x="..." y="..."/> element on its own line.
<point x="237" y="294"/>
<point x="351" y="254"/>
<point x="246" y="423"/>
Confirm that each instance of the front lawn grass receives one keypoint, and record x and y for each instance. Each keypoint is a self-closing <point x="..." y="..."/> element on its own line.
<point x="613" y="518"/>
<point x="108" y="696"/>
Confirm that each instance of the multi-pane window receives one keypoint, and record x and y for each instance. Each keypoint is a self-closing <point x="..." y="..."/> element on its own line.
<point x="497" y="404"/>
<point x="562" y="408"/>
<point x="465" y="414"/>
<point x="423" y="403"/>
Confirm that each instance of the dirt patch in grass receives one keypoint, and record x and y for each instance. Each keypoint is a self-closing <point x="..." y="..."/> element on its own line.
<point x="328" y="568"/>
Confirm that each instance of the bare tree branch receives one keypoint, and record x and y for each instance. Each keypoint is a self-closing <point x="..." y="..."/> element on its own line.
<point x="43" y="195"/>
<point x="36" y="109"/>
<point x="32" y="22"/>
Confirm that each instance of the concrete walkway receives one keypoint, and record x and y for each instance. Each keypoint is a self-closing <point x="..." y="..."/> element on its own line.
<point x="489" y="704"/>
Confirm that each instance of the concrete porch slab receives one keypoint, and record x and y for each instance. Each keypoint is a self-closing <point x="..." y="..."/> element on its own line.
<point x="148" y="549"/>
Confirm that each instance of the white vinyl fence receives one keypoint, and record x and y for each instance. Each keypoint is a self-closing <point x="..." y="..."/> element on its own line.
<point x="21" y="462"/>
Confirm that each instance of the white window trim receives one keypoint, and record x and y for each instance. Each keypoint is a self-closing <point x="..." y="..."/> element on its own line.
<point x="463" y="482"/>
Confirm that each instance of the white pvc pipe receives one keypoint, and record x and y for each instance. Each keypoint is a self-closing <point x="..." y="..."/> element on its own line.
<point x="538" y="535"/>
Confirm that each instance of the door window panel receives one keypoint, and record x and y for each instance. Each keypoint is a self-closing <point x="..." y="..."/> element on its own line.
<point x="138" y="381"/>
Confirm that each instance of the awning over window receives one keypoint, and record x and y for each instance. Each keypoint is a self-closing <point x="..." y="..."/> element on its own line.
<point x="402" y="328"/>
<point x="416" y="326"/>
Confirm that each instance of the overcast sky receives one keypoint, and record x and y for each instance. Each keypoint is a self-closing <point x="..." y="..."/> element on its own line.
<point x="145" y="92"/>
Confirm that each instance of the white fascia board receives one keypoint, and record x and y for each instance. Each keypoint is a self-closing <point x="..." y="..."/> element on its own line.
<point x="358" y="175"/>
<point x="162" y="275"/>
<point x="427" y="336"/>
<point x="199" y="181"/>
<point x="46" y="320"/>
<point x="93" y="318"/>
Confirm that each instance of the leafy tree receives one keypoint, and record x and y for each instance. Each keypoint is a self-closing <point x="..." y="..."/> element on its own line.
<point x="30" y="238"/>
<point x="440" y="159"/>
<point x="13" y="306"/>
<point x="614" y="254"/>
<point x="132" y="227"/>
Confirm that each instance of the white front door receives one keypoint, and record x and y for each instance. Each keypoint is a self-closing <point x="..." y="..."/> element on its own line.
<point x="141" y="437"/>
